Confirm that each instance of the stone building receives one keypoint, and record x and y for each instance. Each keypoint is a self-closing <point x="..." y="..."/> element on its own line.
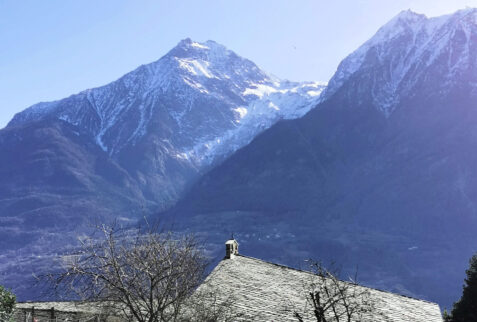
<point x="264" y="291"/>
<point x="254" y="290"/>
<point x="62" y="311"/>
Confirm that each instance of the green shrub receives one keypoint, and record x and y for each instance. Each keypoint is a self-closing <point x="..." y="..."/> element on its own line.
<point x="7" y="304"/>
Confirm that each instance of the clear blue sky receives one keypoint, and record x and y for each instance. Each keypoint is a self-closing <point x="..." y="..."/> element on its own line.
<point x="53" y="48"/>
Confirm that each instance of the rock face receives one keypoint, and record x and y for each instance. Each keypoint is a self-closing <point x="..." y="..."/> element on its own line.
<point x="167" y="121"/>
<point x="381" y="174"/>
<point x="132" y="146"/>
<point x="409" y="54"/>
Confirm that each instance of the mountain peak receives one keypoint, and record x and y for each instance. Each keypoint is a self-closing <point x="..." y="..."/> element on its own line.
<point x="408" y="16"/>
<point x="205" y="81"/>
<point x="466" y="11"/>
<point x="467" y="16"/>
<point x="409" y="47"/>
<point x="189" y="43"/>
<point x="405" y="20"/>
<point x="188" y="48"/>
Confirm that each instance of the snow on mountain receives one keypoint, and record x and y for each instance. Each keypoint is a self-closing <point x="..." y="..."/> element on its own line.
<point x="129" y="148"/>
<point x="284" y="100"/>
<point x="209" y="99"/>
<point x="379" y="174"/>
<point x="401" y="47"/>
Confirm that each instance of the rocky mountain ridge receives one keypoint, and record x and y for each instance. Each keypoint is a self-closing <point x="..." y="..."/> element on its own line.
<point x="380" y="174"/>
<point x="401" y="55"/>
<point x="120" y="113"/>
<point x="133" y="146"/>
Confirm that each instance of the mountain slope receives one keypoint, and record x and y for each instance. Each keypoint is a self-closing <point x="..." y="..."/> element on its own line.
<point x="412" y="51"/>
<point x="167" y="121"/>
<point x="56" y="182"/>
<point x="130" y="147"/>
<point x="381" y="174"/>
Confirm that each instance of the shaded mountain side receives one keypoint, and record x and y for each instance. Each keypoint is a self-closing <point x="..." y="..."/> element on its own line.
<point x="334" y="155"/>
<point x="56" y="180"/>
<point x="128" y="148"/>
<point x="55" y="176"/>
<point x="168" y="121"/>
<point x="55" y="183"/>
<point x="394" y="196"/>
<point x="381" y="174"/>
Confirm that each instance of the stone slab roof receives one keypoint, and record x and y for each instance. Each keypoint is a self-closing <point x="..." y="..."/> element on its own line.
<point x="263" y="291"/>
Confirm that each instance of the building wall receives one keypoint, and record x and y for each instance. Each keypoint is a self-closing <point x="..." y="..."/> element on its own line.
<point x="25" y="314"/>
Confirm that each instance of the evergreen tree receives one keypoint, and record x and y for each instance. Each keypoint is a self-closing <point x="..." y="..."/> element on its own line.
<point x="7" y="303"/>
<point x="465" y="310"/>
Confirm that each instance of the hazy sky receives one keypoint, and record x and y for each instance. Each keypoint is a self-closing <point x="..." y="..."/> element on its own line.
<point x="53" y="48"/>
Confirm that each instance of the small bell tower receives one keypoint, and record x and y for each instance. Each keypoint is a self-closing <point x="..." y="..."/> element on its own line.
<point x="231" y="248"/>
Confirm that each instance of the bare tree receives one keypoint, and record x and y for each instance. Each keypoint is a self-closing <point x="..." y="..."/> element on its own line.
<point x="142" y="276"/>
<point x="331" y="299"/>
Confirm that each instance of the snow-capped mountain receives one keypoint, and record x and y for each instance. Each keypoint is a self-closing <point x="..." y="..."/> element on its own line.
<point x="380" y="175"/>
<point x="413" y="50"/>
<point x="207" y="100"/>
<point x="130" y="147"/>
<point x="168" y="121"/>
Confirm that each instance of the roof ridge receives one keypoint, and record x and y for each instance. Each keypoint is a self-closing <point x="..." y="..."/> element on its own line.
<point x="368" y="287"/>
